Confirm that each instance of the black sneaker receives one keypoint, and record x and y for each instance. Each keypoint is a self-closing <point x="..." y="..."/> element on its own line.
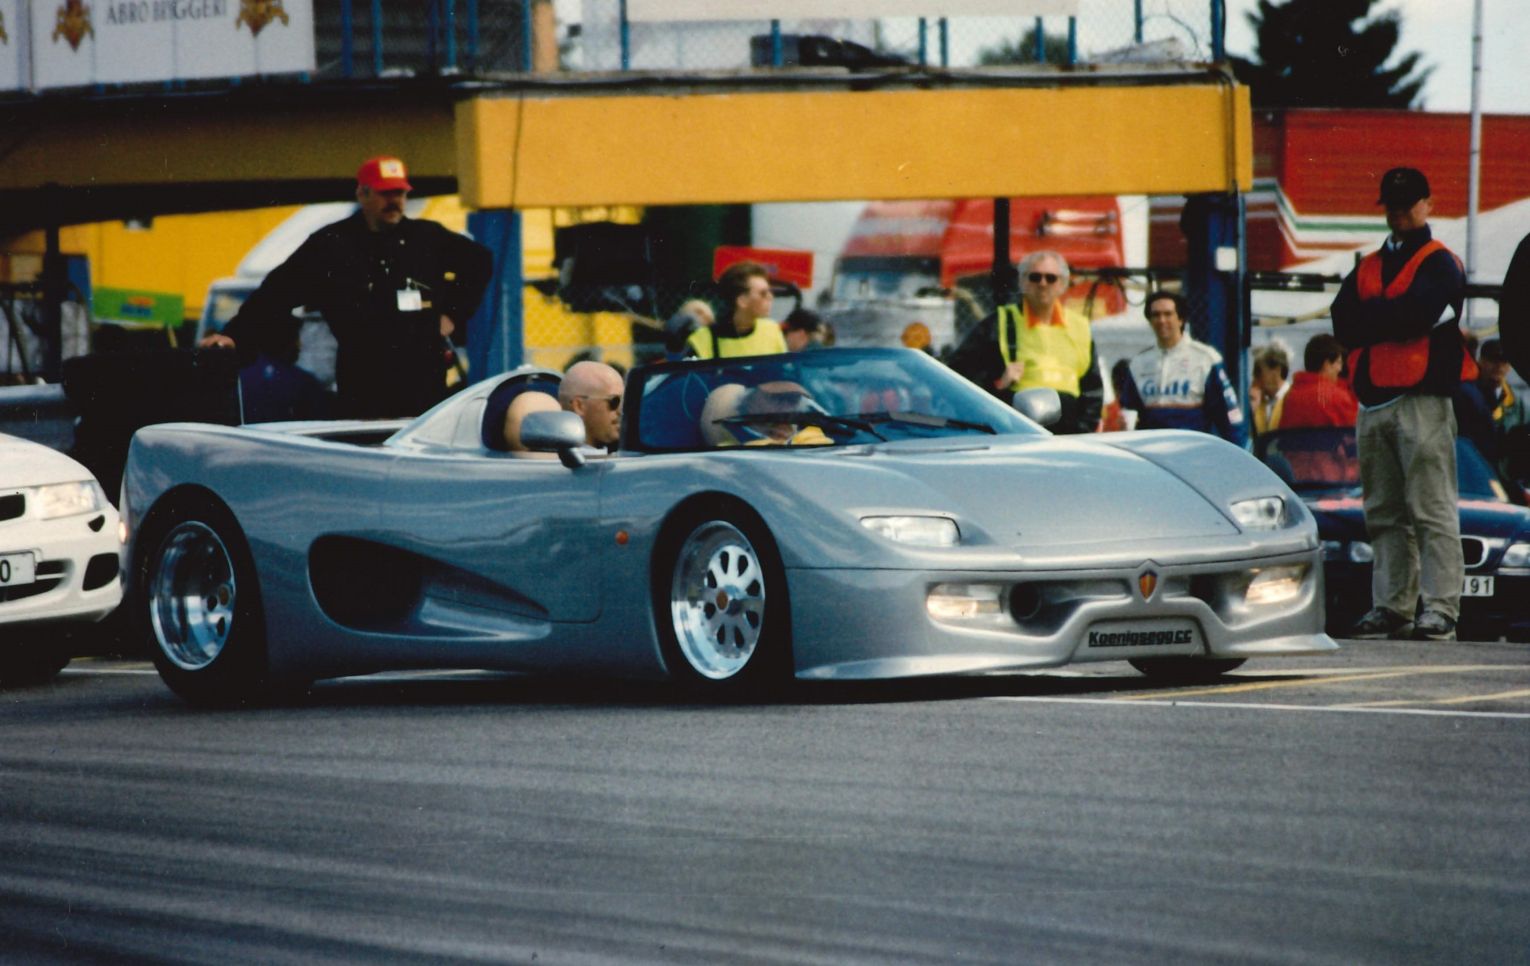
<point x="1379" y="623"/>
<point x="1434" y="626"/>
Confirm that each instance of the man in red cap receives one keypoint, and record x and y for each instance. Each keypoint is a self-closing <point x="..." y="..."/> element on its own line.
<point x="1398" y="315"/>
<point x="393" y="289"/>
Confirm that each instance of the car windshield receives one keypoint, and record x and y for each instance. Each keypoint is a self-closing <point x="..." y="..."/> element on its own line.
<point x="1322" y="460"/>
<point x="829" y="397"/>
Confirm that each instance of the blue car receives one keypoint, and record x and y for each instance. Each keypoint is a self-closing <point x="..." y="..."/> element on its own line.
<point x="1322" y="466"/>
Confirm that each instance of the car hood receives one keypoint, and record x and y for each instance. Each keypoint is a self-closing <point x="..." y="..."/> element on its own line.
<point x="30" y="464"/>
<point x="1026" y="494"/>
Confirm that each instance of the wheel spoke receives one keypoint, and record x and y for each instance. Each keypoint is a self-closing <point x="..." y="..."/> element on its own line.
<point x="192" y="595"/>
<point x="717" y="600"/>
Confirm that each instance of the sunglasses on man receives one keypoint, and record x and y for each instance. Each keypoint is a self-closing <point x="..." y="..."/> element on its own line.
<point x="613" y="403"/>
<point x="1039" y="277"/>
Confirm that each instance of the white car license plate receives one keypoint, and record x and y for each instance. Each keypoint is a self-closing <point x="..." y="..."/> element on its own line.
<point x="17" y="569"/>
<point x="1477" y="586"/>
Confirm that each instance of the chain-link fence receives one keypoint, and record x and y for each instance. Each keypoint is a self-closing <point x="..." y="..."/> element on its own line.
<point x="1103" y="31"/>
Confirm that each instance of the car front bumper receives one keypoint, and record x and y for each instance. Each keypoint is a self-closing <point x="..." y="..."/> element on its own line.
<point x="863" y="624"/>
<point x="75" y="565"/>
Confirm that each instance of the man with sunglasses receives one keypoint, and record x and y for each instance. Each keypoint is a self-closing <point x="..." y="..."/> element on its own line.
<point x="593" y="390"/>
<point x="1038" y="343"/>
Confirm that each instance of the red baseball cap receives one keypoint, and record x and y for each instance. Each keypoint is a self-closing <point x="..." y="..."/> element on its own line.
<point x="383" y="174"/>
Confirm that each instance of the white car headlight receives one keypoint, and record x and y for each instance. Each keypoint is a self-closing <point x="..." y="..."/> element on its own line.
<point x="68" y="499"/>
<point x="919" y="531"/>
<point x="1260" y="513"/>
<point x="1518" y="555"/>
<point x="1275" y="585"/>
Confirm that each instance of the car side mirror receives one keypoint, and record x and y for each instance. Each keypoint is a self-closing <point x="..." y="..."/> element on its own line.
<point x="561" y="432"/>
<point x="1042" y="406"/>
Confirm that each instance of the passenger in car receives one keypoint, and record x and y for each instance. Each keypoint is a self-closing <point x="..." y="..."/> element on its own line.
<point x="520" y="406"/>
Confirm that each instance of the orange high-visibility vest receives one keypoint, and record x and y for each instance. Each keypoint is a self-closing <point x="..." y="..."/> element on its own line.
<point x="1399" y="365"/>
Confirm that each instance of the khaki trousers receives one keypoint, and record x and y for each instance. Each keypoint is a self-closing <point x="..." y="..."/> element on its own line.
<point x="1408" y="472"/>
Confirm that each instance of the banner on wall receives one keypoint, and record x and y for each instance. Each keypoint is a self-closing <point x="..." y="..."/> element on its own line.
<point x="666" y="10"/>
<point x="79" y="42"/>
<point x="13" y="38"/>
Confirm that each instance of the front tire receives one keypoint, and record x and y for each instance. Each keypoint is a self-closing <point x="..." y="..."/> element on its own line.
<point x="720" y="604"/>
<point x="200" y="603"/>
<point x="1186" y="670"/>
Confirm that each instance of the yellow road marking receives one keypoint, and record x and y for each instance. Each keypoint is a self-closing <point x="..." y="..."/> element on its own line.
<point x="1339" y="678"/>
<point x="1468" y="699"/>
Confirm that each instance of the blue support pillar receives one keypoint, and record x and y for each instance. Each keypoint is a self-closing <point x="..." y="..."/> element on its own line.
<point x="1216" y="280"/>
<point x="496" y="334"/>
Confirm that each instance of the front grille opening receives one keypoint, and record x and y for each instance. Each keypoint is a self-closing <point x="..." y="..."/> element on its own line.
<point x="1474" y="550"/>
<point x="101" y="570"/>
<point x="12" y="505"/>
<point x="1025" y="601"/>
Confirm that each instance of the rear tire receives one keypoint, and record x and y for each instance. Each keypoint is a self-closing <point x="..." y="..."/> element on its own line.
<point x="1186" y="670"/>
<point x="720" y="604"/>
<point x="199" y="603"/>
<point x="34" y="659"/>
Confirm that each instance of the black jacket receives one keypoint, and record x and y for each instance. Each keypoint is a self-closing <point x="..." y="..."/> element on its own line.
<point x="389" y="362"/>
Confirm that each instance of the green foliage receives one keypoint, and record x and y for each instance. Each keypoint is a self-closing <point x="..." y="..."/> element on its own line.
<point x="1023" y="51"/>
<point x="1328" y="53"/>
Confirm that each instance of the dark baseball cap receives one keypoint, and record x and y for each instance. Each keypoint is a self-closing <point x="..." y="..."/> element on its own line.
<point x="1491" y="350"/>
<point x="1403" y="188"/>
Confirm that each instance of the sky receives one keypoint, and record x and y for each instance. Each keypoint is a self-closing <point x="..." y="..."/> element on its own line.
<point x="1441" y="30"/>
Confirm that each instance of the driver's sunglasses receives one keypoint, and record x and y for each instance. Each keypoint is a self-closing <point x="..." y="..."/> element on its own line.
<point x="613" y="403"/>
<point x="1039" y="277"/>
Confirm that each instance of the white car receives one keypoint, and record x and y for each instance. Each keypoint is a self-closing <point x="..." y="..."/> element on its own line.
<point x="58" y="557"/>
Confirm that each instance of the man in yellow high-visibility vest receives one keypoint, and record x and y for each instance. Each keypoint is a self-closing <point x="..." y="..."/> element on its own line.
<point x="1038" y="342"/>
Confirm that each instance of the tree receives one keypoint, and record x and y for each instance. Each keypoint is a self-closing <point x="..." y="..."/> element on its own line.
<point x="1314" y="53"/>
<point x="1023" y="51"/>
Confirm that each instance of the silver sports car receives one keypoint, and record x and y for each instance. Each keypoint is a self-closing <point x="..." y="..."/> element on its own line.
<point x="832" y="515"/>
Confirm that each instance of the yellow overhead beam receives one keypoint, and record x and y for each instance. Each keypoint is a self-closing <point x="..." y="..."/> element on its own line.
<point x="143" y="147"/>
<point x="530" y="152"/>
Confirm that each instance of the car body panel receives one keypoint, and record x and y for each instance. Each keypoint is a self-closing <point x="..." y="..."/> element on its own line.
<point x="60" y="549"/>
<point x="522" y="563"/>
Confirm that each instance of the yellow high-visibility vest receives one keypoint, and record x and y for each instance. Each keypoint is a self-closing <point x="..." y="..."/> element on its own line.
<point x="1055" y="356"/>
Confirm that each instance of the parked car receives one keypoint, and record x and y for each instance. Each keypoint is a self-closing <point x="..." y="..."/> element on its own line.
<point x="842" y="514"/>
<point x="1322" y="466"/>
<point x="58" y="557"/>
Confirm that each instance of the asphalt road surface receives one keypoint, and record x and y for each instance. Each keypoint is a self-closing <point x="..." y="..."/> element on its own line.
<point x="1370" y="806"/>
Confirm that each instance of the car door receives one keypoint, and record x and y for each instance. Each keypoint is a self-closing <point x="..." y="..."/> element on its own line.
<point x="526" y="528"/>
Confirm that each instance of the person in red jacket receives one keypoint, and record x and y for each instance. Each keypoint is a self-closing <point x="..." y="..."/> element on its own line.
<point x="1319" y="395"/>
<point x="1399" y="315"/>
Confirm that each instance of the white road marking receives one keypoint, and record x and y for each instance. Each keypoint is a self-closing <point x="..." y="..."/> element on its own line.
<point x="1250" y="706"/>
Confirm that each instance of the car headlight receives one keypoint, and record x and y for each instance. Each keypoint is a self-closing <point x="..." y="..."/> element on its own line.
<point x="1518" y="555"/>
<point x="1361" y="552"/>
<point x="919" y="531"/>
<point x="68" y="499"/>
<point x="1275" y="585"/>
<point x="1260" y="513"/>
<point x="974" y="603"/>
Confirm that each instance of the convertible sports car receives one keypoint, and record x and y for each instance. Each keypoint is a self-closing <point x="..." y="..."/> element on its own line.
<point x="1322" y="465"/>
<point x="831" y="515"/>
<point x="58" y="557"/>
